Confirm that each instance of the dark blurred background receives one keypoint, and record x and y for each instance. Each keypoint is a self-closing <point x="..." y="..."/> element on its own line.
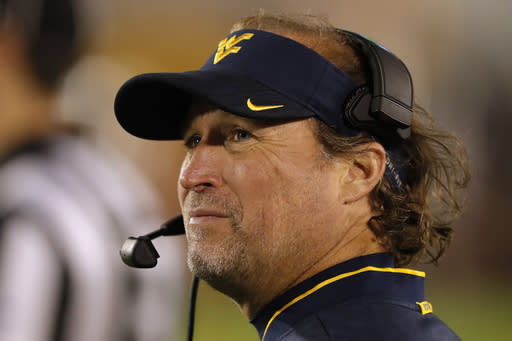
<point x="459" y="54"/>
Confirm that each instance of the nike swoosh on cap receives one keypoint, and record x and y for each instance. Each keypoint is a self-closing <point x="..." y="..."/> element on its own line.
<point x="254" y="107"/>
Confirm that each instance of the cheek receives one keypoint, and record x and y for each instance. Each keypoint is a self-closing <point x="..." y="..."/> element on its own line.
<point x="266" y="193"/>
<point x="297" y="194"/>
<point x="251" y="182"/>
<point x="254" y="183"/>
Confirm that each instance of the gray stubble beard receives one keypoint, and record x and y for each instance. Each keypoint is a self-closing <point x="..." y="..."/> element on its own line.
<point x="225" y="265"/>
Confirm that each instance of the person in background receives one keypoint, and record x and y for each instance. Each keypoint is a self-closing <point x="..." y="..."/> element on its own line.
<point x="66" y="205"/>
<point x="311" y="179"/>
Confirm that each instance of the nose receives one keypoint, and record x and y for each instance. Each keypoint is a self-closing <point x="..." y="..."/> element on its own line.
<point x="202" y="168"/>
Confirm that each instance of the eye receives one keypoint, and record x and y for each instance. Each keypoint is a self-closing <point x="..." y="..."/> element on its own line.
<point x="192" y="141"/>
<point x="241" y="135"/>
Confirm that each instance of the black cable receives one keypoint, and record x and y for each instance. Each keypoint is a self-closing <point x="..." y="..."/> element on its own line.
<point x="192" y="311"/>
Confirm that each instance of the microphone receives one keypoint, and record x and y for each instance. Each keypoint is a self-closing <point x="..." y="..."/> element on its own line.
<point x="139" y="252"/>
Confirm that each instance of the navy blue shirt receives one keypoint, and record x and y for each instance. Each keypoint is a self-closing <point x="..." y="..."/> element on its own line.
<point x="365" y="298"/>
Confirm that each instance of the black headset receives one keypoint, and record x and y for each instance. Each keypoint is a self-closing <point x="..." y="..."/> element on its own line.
<point x="385" y="106"/>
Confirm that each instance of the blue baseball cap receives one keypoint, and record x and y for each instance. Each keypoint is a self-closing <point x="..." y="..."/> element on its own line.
<point x="252" y="73"/>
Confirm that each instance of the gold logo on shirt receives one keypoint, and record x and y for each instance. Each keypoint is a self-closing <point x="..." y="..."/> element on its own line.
<point x="426" y="307"/>
<point x="227" y="46"/>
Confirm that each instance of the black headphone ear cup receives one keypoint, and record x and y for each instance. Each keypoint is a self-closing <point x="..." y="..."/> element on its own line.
<point x="357" y="108"/>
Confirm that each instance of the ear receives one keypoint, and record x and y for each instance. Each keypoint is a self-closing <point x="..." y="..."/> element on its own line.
<point x="365" y="170"/>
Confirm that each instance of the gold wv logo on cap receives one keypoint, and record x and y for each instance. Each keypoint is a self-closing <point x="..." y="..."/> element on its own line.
<point x="227" y="46"/>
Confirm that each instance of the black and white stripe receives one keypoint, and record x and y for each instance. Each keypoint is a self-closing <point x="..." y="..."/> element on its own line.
<point x="60" y="270"/>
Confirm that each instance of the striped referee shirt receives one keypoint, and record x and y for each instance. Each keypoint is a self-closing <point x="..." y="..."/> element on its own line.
<point x="67" y="208"/>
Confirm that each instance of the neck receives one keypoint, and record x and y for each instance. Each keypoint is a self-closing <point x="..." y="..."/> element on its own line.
<point x="358" y="240"/>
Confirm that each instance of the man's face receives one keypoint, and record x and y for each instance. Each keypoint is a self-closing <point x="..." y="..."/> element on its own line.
<point x="256" y="198"/>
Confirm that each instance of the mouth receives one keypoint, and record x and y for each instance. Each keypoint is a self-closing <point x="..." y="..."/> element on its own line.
<point x="203" y="215"/>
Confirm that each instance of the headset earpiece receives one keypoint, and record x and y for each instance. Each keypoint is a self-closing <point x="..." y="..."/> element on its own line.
<point x="357" y="108"/>
<point x="384" y="106"/>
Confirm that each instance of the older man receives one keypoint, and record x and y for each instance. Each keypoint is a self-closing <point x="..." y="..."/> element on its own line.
<point x="309" y="176"/>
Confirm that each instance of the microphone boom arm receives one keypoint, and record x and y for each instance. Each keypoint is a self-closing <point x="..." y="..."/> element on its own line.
<point x="139" y="252"/>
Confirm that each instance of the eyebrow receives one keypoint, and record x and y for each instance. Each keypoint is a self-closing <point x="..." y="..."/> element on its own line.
<point x="232" y="119"/>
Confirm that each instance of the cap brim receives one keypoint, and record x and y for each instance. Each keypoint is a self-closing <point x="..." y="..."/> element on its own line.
<point x="154" y="105"/>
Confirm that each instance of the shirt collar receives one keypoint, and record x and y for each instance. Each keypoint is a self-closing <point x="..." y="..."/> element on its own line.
<point x="355" y="278"/>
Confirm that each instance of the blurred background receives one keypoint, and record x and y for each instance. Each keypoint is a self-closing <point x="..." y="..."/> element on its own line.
<point x="459" y="54"/>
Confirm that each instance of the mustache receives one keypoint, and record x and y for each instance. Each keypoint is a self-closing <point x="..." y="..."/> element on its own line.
<point x="229" y="207"/>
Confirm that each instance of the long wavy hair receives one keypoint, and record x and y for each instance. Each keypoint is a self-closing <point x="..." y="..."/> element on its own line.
<point x="413" y="223"/>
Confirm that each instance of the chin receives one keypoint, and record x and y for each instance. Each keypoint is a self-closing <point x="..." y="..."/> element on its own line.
<point x="225" y="273"/>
